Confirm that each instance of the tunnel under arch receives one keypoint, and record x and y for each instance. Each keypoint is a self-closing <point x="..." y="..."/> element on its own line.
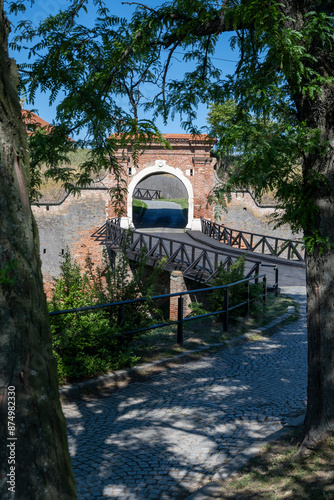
<point x="154" y="170"/>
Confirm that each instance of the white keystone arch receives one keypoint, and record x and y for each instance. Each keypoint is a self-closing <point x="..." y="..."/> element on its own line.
<point x="161" y="167"/>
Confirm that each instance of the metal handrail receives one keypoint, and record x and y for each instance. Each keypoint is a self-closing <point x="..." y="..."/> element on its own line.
<point x="180" y="320"/>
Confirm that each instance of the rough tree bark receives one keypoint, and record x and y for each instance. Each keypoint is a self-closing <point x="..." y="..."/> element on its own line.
<point x="35" y="461"/>
<point x="320" y="276"/>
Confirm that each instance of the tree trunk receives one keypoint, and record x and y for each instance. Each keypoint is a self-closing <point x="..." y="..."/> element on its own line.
<point x="35" y="461"/>
<point x="319" y="171"/>
<point x="319" y="420"/>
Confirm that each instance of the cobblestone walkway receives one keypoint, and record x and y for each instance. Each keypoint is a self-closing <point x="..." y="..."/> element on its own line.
<point x="167" y="436"/>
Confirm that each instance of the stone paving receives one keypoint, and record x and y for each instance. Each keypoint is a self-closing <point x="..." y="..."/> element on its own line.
<point x="165" y="437"/>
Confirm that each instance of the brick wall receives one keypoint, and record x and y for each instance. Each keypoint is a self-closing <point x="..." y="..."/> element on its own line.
<point x="71" y="223"/>
<point x="189" y="159"/>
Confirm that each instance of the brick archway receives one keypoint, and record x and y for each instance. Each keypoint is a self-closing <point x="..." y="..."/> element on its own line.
<point x="188" y="159"/>
<point x="161" y="167"/>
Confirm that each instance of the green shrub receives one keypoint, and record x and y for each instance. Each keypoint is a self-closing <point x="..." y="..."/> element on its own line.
<point x="237" y="293"/>
<point x="226" y="276"/>
<point x="126" y="281"/>
<point x="84" y="343"/>
<point x="89" y="343"/>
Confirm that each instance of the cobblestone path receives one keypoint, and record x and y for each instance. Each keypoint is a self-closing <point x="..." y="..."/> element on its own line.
<point x="165" y="437"/>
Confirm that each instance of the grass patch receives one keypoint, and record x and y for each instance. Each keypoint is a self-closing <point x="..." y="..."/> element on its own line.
<point x="180" y="201"/>
<point x="53" y="191"/>
<point x="139" y="207"/>
<point x="161" y="342"/>
<point x="183" y="202"/>
<point x="277" y="473"/>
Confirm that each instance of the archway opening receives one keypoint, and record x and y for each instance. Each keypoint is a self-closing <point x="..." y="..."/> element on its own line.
<point x="160" y="201"/>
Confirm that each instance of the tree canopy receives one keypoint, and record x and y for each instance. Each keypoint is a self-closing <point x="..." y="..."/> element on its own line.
<point x="284" y="79"/>
<point x="278" y="78"/>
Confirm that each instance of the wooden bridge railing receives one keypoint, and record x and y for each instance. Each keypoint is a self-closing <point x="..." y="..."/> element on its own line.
<point x="147" y="194"/>
<point x="267" y="245"/>
<point x="194" y="261"/>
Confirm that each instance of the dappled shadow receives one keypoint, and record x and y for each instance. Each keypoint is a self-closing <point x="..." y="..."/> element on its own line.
<point x="164" y="436"/>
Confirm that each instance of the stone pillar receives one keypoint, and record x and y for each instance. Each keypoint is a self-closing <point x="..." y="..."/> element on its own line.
<point x="177" y="284"/>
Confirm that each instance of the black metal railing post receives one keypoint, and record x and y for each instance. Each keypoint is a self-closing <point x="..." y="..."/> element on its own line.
<point x="248" y="301"/>
<point x="120" y="316"/>
<point x="179" y="334"/>
<point x="264" y="290"/>
<point x="226" y="301"/>
<point x="276" y="281"/>
<point x="121" y="321"/>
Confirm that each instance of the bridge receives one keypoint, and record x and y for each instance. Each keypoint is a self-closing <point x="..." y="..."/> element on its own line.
<point x="198" y="253"/>
<point x="194" y="260"/>
<point x="147" y="194"/>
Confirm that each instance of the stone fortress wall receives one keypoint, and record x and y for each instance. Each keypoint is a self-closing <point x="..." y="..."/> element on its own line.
<point x="69" y="225"/>
<point x="171" y="187"/>
<point x="246" y="214"/>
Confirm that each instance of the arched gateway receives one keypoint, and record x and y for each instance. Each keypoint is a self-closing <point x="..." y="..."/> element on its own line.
<point x="189" y="160"/>
<point x="161" y="168"/>
<point x="70" y="221"/>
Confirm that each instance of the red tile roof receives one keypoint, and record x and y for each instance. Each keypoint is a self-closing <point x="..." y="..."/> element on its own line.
<point x="183" y="137"/>
<point x="31" y="118"/>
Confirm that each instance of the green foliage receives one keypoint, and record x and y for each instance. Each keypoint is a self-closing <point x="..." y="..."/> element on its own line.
<point x="85" y="343"/>
<point x="125" y="281"/>
<point x="318" y="243"/>
<point x="225" y="126"/>
<point x="267" y="157"/>
<point x="237" y="293"/>
<point x="139" y="207"/>
<point x="89" y="343"/>
<point x="276" y="129"/>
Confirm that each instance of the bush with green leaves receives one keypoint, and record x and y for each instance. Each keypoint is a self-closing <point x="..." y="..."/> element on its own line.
<point x="84" y="343"/>
<point x="226" y="276"/>
<point x="237" y="293"/>
<point x="126" y="280"/>
<point x="89" y="343"/>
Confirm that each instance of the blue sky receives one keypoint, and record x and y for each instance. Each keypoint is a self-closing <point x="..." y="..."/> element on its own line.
<point x="224" y="58"/>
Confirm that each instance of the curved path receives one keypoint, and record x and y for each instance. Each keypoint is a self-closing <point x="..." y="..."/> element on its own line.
<point x="161" y="215"/>
<point x="166" y="436"/>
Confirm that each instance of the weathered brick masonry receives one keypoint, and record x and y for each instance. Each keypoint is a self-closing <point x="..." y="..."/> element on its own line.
<point x="189" y="160"/>
<point x="70" y="222"/>
<point x="69" y="225"/>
